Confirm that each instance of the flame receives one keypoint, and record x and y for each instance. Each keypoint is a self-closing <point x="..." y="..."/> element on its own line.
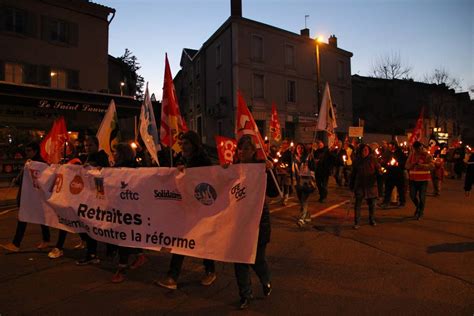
<point x="393" y="162"/>
<point x="344" y="158"/>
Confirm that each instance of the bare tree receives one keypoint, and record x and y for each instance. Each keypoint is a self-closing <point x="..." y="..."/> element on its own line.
<point x="390" y="67"/>
<point x="442" y="76"/>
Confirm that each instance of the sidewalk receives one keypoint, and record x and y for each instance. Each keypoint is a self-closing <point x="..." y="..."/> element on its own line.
<point x="8" y="195"/>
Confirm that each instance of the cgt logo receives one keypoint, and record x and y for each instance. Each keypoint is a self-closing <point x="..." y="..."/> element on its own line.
<point x="77" y="185"/>
<point x="205" y="193"/>
<point x="35" y="174"/>
<point x="128" y="194"/>
<point x="238" y="192"/>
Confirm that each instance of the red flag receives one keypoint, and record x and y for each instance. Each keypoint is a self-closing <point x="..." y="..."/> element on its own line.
<point x="225" y="149"/>
<point x="275" y="130"/>
<point x="52" y="146"/>
<point x="245" y="125"/>
<point x="418" y="130"/>
<point x="172" y="124"/>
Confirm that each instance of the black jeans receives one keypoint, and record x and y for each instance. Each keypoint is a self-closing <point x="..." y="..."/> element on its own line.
<point x="242" y="272"/>
<point x="322" y="183"/>
<point x="418" y="195"/>
<point x="20" y="233"/>
<point x="62" y="238"/>
<point x="177" y="262"/>
<point x="357" y="207"/>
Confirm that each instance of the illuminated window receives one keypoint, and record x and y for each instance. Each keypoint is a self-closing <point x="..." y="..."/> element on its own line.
<point x="58" y="78"/>
<point x="13" y="73"/>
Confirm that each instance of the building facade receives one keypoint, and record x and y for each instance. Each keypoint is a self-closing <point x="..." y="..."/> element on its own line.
<point x="267" y="65"/>
<point x="392" y="106"/>
<point x="54" y="62"/>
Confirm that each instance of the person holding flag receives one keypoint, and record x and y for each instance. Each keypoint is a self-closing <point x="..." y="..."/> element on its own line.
<point x="327" y="116"/>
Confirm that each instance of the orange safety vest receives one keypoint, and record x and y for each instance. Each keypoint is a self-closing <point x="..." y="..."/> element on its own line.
<point x="417" y="174"/>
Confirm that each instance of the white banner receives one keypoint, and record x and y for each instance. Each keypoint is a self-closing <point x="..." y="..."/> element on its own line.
<point x="207" y="212"/>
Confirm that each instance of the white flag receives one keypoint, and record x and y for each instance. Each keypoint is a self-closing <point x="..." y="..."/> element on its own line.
<point x="327" y="115"/>
<point x="148" y="129"/>
<point x="109" y="131"/>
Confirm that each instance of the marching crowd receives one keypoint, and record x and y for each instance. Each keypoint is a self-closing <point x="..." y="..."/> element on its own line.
<point x="370" y="171"/>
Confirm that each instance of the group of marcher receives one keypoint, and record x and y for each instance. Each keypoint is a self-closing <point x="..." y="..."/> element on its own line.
<point x="369" y="171"/>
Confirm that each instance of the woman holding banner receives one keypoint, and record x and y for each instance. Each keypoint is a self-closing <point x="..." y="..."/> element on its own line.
<point x="246" y="153"/>
<point x="193" y="155"/>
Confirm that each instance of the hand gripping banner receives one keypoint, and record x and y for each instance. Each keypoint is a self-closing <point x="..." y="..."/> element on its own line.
<point x="207" y="212"/>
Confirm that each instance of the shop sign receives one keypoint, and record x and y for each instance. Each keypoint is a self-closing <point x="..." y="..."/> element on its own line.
<point x="60" y="105"/>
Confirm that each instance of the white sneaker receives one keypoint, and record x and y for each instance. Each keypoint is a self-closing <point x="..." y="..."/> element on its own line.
<point x="55" y="253"/>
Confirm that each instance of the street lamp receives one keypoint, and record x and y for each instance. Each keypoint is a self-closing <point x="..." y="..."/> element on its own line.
<point x="318" y="73"/>
<point x="122" y="84"/>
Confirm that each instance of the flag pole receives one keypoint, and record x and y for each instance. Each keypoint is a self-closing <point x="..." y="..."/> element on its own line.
<point x="271" y="170"/>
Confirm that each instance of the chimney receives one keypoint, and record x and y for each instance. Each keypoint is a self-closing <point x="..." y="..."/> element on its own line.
<point x="236" y="8"/>
<point x="332" y="40"/>
<point x="305" y="32"/>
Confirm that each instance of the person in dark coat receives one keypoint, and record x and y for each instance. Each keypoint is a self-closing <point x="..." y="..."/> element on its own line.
<point x="32" y="151"/>
<point x="364" y="183"/>
<point x="94" y="158"/>
<point x="124" y="157"/>
<point x="193" y="155"/>
<point x="469" y="175"/>
<point x="246" y="153"/>
<point x="324" y="164"/>
<point x="394" y="162"/>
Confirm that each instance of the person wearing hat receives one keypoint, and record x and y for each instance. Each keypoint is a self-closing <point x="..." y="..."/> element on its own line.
<point x="419" y="166"/>
<point x="192" y="156"/>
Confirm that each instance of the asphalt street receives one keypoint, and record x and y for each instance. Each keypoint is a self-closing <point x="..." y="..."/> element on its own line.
<point x="400" y="267"/>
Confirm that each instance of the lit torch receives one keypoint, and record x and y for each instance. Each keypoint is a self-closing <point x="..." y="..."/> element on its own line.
<point x="393" y="162"/>
<point x="344" y="158"/>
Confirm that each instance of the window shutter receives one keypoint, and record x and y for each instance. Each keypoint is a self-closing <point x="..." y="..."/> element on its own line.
<point x="44" y="76"/>
<point x="73" y="34"/>
<point x="73" y="79"/>
<point x="30" y="74"/>
<point x="3" y="19"/>
<point x="45" y="28"/>
<point x="31" y="24"/>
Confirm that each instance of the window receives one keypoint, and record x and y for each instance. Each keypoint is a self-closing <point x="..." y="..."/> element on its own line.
<point x="59" y="31"/>
<point x="340" y="70"/>
<point x="258" y="86"/>
<point x="198" y="97"/>
<point x="218" y="91"/>
<point x="58" y="78"/>
<point x="289" y="56"/>
<point x="218" y="56"/>
<point x="257" y="48"/>
<point x="291" y="91"/>
<point x="15" y="20"/>
<point x="13" y="73"/>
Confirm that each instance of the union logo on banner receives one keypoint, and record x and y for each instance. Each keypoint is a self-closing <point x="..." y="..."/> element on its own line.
<point x="99" y="187"/>
<point x="77" y="185"/>
<point x="58" y="183"/>
<point x="205" y="193"/>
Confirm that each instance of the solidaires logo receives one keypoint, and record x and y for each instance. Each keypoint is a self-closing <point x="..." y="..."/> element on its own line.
<point x="205" y="193"/>
<point x="165" y="194"/>
<point x="77" y="185"/>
